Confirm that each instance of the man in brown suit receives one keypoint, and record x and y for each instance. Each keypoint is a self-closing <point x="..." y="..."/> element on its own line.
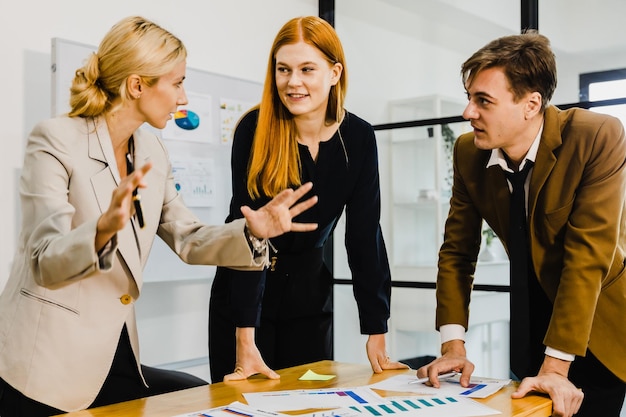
<point x="575" y="200"/>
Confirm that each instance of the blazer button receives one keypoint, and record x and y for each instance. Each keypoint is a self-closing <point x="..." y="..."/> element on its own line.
<point x="126" y="299"/>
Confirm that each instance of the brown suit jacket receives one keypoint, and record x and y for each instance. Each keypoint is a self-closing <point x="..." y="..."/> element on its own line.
<point x="577" y="226"/>
<point x="64" y="305"/>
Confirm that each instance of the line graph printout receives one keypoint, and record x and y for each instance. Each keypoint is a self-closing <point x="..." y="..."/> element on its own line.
<point x="194" y="180"/>
<point x="321" y="398"/>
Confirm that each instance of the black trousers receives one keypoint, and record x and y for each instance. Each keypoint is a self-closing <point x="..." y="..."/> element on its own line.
<point x="296" y="318"/>
<point x="122" y="384"/>
<point x="604" y="392"/>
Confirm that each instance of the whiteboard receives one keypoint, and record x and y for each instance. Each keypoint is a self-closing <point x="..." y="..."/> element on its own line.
<point x="217" y="92"/>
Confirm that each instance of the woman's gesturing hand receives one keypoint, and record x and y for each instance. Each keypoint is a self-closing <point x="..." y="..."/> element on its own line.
<point x="275" y="218"/>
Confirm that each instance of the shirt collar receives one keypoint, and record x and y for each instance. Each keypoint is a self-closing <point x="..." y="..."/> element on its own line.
<point x="497" y="156"/>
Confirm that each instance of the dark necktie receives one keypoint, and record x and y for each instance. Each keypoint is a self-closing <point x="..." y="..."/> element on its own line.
<point x="520" y="270"/>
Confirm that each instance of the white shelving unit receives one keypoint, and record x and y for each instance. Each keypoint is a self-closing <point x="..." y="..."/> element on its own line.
<point x="420" y="179"/>
<point x="420" y="176"/>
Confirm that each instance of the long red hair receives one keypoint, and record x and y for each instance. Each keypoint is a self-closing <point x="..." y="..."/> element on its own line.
<point x="275" y="161"/>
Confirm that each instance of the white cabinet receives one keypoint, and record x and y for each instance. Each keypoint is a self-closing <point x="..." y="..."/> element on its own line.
<point x="420" y="169"/>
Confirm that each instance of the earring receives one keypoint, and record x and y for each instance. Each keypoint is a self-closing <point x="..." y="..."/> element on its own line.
<point x="137" y="96"/>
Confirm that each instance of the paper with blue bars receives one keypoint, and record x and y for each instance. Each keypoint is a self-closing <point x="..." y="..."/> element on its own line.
<point x="412" y="406"/>
<point x="312" y="398"/>
<point x="478" y="387"/>
<point x="364" y="402"/>
<point x="394" y="407"/>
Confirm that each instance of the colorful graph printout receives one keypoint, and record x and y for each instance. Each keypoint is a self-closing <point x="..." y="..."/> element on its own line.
<point x="412" y="406"/>
<point x="303" y="399"/>
<point x="230" y="113"/>
<point x="425" y="406"/>
<point x="479" y="387"/>
<point x="192" y="122"/>
<point x="186" y="119"/>
<point x="194" y="180"/>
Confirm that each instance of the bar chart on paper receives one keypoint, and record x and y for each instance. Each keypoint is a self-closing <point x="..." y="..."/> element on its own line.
<point x="363" y="402"/>
<point x="478" y="387"/>
<point x="422" y="407"/>
<point x="400" y="407"/>
<point x="303" y="399"/>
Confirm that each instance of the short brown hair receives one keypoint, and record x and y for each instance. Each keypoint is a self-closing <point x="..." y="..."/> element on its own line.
<point x="527" y="60"/>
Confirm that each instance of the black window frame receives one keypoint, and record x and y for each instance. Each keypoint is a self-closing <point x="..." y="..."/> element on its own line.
<point x="588" y="78"/>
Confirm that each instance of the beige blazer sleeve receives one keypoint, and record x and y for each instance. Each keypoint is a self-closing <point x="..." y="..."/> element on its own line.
<point x="64" y="305"/>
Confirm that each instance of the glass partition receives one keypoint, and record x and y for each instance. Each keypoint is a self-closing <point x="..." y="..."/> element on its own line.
<point x="403" y="62"/>
<point x="399" y="49"/>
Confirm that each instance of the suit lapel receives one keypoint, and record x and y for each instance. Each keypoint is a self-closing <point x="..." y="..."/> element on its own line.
<point x="546" y="160"/>
<point x="104" y="182"/>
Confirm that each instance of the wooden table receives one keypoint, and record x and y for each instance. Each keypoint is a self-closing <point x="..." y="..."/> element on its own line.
<point x="348" y="375"/>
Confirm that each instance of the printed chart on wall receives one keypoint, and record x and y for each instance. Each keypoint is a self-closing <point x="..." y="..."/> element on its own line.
<point x="191" y="122"/>
<point x="198" y="139"/>
<point x="231" y="111"/>
<point x="194" y="180"/>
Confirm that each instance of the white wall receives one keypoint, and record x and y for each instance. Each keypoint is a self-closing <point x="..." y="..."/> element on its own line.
<point x="227" y="37"/>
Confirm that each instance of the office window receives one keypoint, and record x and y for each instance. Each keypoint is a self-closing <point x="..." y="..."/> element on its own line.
<point x="605" y="85"/>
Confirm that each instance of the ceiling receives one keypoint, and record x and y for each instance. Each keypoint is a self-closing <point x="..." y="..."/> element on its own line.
<point x="578" y="29"/>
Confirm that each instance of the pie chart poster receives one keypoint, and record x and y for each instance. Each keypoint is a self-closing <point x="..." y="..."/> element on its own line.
<point x="191" y="122"/>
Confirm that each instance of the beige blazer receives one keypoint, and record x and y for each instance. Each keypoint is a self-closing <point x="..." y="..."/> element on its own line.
<point x="63" y="308"/>
<point x="577" y="226"/>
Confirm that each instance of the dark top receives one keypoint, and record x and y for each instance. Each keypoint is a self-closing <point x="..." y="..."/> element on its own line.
<point x="341" y="178"/>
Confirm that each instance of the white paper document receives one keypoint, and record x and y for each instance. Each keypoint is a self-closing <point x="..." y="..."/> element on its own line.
<point x="478" y="388"/>
<point x="312" y="398"/>
<point x="233" y="409"/>
<point x="425" y="406"/>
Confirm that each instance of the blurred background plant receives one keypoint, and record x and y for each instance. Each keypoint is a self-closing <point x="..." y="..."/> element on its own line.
<point x="449" y="137"/>
<point x="488" y="234"/>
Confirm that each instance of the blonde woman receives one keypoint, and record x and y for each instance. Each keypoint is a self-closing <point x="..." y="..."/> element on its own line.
<point x="68" y="336"/>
